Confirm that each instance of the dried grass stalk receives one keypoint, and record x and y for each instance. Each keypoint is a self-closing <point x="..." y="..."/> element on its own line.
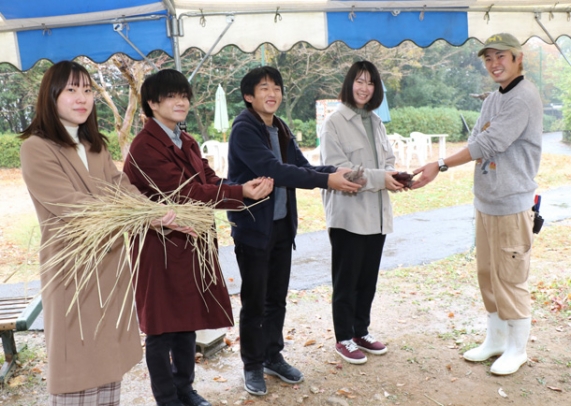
<point x="117" y="217"/>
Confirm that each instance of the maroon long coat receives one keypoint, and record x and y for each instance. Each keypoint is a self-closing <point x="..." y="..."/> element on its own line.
<point x="170" y="295"/>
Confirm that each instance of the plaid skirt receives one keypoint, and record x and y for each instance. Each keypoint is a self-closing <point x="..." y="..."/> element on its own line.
<point x="106" y="395"/>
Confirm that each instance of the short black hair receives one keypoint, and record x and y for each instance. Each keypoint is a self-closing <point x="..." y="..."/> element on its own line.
<point x="355" y="71"/>
<point x="162" y="84"/>
<point x="255" y="76"/>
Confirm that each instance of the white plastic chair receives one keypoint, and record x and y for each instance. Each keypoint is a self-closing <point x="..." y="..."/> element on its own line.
<point x="399" y="146"/>
<point x="211" y="148"/>
<point x="420" y="145"/>
<point x="312" y="156"/>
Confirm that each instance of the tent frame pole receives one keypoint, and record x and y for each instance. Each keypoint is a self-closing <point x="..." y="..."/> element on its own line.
<point x="537" y="19"/>
<point x="174" y="30"/>
<point x="118" y="28"/>
<point x="229" y="21"/>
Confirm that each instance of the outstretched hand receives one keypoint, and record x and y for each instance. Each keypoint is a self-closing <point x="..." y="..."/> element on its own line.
<point x="429" y="172"/>
<point x="258" y="188"/>
<point x="168" y="221"/>
<point x="392" y="184"/>
<point x="337" y="181"/>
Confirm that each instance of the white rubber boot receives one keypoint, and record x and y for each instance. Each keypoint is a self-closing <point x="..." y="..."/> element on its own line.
<point x="515" y="355"/>
<point x="495" y="343"/>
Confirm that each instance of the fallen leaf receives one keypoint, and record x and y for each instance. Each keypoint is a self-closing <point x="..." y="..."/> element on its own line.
<point x="219" y="379"/>
<point x="451" y="315"/>
<point x="555" y="389"/>
<point x="453" y="379"/>
<point x="227" y="341"/>
<point x="345" y="392"/>
<point x="449" y="367"/>
<point x="17" y="381"/>
<point x="502" y="393"/>
<point x="289" y="338"/>
<point x="309" y="342"/>
<point x="230" y="279"/>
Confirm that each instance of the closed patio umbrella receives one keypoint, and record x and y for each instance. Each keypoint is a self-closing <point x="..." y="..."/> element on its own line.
<point x="221" y="112"/>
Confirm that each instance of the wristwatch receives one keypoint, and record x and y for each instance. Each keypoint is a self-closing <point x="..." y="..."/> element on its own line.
<point x="442" y="167"/>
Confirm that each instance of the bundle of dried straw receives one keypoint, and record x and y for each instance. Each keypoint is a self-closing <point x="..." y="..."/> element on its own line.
<point x="115" y="218"/>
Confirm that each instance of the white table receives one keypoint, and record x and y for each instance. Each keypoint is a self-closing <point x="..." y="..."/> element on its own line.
<point x="441" y="143"/>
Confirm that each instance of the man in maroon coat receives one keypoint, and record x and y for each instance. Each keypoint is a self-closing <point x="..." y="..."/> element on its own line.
<point x="174" y="298"/>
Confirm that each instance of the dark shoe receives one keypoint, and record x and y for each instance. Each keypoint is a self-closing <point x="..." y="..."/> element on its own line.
<point x="192" y="398"/>
<point x="254" y="382"/>
<point x="171" y="403"/>
<point x="370" y="344"/>
<point x="284" y="371"/>
<point x="349" y="351"/>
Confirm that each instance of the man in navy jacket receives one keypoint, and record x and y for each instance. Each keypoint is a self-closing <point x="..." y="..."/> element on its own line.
<point x="261" y="144"/>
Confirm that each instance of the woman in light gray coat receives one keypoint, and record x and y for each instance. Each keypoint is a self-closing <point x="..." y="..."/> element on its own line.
<point x="354" y="137"/>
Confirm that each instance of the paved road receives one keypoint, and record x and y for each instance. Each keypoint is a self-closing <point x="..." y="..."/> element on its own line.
<point x="419" y="238"/>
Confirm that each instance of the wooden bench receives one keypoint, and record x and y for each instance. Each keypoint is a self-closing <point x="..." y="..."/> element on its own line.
<point x="16" y="314"/>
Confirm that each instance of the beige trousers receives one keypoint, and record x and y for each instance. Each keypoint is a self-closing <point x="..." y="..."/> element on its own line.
<point x="503" y="251"/>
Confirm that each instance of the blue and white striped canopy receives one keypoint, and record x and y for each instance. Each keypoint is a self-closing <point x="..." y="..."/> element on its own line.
<point x="63" y="29"/>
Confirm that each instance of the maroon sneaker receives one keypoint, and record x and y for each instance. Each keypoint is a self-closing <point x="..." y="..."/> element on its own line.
<point x="350" y="353"/>
<point x="370" y="344"/>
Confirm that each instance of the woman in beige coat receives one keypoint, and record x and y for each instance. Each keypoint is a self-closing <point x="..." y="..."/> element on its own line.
<point x="63" y="157"/>
<point x="354" y="137"/>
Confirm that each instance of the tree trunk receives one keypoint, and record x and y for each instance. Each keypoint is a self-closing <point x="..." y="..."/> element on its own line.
<point x="200" y="124"/>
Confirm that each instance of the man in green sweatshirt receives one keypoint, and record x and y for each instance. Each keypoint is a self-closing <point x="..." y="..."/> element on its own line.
<point x="506" y="145"/>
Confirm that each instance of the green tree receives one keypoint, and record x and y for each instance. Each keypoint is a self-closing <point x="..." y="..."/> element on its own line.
<point x="444" y="77"/>
<point x="18" y="95"/>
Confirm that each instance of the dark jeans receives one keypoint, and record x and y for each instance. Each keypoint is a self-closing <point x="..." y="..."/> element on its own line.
<point x="169" y="377"/>
<point x="355" y="261"/>
<point x="265" y="280"/>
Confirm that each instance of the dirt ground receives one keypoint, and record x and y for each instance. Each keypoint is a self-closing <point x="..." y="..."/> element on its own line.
<point x="427" y="316"/>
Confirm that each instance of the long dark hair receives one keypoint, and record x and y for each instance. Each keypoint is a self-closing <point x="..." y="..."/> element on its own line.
<point x="355" y="71"/>
<point x="46" y="123"/>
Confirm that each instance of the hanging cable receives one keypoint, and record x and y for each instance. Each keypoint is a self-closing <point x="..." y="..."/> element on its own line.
<point x="487" y="15"/>
<point x="202" y="18"/>
<point x="278" y="15"/>
<point x="352" y="14"/>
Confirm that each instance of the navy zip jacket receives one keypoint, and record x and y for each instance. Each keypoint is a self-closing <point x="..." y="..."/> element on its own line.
<point x="250" y="156"/>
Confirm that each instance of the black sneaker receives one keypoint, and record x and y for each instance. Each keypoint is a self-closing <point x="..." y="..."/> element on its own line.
<point x="192" y="398"/>
<point x="284" y="371"/>
<point x="254" y="382"/>
<point x="171" y="403"/>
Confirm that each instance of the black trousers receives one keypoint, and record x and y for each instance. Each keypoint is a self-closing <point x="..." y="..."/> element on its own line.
<point x="355" y="261"/>
<point x="265" y="279"/>
<point x="170" y="360"/>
